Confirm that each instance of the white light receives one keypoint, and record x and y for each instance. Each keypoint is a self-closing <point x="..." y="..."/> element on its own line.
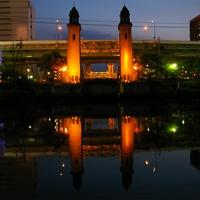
<point x="60" y="28"/>
<point x="145" y="28"/>
<point x="66" y="130"/>
<point x="49" y="119"/>
<point x="183" y="121"/>
<point x="28" y="70"/>
<point x="146" y="162"/>
<point x="148" y="129"/>
<point x="135" y="68"/>
<point x="31" y="139"/>
<point x="154" y="170"/>
<point x="63" y="164"/>
<point x="29" y="126"/>
<point x="30" y="77"/>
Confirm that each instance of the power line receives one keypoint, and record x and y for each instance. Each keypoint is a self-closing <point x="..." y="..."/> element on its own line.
<point x="102" y="25"/>
<point x="98" y="20"/>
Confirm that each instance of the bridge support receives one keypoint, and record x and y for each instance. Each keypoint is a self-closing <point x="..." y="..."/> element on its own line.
<point x="87" y="70"/>
<point x="127" y="72"/>
<point x="73" y="53"/>
<point x="110" y="68"/>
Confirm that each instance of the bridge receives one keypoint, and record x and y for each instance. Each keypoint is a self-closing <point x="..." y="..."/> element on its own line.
<point x="98" y="51"/>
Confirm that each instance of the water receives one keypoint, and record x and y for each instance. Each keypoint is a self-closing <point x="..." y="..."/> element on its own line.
<point x="100" y="152"/>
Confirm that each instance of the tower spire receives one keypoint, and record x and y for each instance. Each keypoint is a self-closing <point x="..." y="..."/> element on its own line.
<point x="74" y="3"/>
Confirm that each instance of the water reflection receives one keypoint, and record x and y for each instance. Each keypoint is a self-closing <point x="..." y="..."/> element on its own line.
<point x="62" y="152"/>
<point x="72" y="127"/>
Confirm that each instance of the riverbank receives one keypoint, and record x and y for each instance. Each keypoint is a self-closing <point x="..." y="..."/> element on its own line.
<point x="102" y="90"/>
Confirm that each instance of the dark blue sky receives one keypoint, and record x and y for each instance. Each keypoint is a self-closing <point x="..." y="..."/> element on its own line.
<point x="168" y="14"/>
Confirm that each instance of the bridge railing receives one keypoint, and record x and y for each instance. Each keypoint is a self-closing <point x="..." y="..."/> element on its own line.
<point x="100" y="75"/>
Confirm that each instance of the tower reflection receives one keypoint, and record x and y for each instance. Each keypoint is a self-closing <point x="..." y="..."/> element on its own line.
<point x="129" y="126"/>
<point x="73" y="128"/>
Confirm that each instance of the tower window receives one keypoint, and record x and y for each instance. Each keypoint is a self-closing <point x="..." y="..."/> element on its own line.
<point x="76" y="161"/>
<point x="126" y="36"/>
<point x="74" y="36"/>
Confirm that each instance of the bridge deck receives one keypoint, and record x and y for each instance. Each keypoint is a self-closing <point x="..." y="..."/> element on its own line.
<point x="95" y="51"/>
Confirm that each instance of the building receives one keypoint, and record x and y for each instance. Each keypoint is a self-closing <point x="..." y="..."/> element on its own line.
<point x="16" y="20"/>
<point x="195" y="29"/>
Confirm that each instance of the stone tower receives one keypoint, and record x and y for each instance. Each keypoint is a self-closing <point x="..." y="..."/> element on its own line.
<point x="126" y="50"/>
<point x="73" y="52"/>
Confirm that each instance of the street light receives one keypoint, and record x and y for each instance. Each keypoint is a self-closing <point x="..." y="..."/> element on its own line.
<point x="154" y="29"/>
<point x="145" y="28"/>
<point x="59" y="29"/>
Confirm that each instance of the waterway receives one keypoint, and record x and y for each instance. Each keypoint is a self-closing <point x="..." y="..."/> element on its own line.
<point x="113" y="151"/>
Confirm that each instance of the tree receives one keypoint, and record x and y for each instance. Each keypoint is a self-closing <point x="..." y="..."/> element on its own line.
<point x="191" y="67"/>
<point x="49" y="62"/>
<point x="9" y="72"/>
<point x="152" y="63"/>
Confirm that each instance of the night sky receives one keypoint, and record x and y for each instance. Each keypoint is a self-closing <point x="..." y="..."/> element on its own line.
<point x="171" y="18"/>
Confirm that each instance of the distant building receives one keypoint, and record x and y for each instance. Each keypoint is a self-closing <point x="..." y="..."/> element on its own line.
<point x="16" y="20"/>
<point x="195" y="29"/>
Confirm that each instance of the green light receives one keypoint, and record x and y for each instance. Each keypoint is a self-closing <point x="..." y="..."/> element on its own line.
<point x="173" y="128"/>
<point x="172" y="67"/>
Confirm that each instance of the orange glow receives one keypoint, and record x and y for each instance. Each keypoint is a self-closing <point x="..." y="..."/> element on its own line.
<point x="135" y="67"/>
<point x="73" y="54"/>
<point x="64" y="68"/>
<point x="128" y="73"/>
<point x="75" y="142"/>
<point x="129" y="126"/>
<point x="111" y="123"/>
<point x="126" y="59"/>
<point x="63" y="128"/>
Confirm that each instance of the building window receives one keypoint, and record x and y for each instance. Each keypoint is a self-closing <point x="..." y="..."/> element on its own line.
<point x="126" y="36"/>
<point x="74" y="36"/>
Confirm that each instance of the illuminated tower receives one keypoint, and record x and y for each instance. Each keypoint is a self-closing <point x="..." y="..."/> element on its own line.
<point x="75" y="144"/>
<point x="125" y="44"/>
<point x="73" y="52"/>
<point x="129" y="125"/>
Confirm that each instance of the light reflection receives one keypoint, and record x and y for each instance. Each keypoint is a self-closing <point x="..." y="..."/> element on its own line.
<point x="71" y="128"/>
<point x="129" y="126"/>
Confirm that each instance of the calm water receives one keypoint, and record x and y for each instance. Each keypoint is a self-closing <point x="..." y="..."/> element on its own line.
<point x="100" y="152"/>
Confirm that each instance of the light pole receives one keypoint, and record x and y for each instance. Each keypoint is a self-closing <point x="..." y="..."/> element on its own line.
<point x="154" y="29"/>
